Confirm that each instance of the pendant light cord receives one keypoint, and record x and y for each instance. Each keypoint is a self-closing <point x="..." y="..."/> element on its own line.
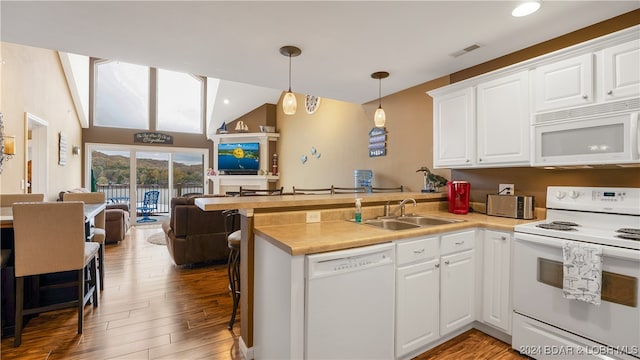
<point x="379" y="93"/>
<point x="289" y="72"/>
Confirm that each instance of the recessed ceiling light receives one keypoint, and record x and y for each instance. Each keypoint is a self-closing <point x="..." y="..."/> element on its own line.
<point x="226" y="101"/>
<point x="526" y="8"/>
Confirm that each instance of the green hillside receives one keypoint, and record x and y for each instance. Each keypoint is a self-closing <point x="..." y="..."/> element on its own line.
<point x="114" y="169"/>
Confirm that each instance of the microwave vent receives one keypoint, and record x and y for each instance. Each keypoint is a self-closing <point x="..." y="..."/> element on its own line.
<point x="600" y="109"/>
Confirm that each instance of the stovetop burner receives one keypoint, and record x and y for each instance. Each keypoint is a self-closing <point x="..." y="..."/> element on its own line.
<point x="564" y="223"/>
<point x="629" y="231"/>
<point x="555" y="226"/>
<point x="635" y="237"/>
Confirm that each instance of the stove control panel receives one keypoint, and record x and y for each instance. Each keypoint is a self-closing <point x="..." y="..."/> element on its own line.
<point x="597" y="199"/>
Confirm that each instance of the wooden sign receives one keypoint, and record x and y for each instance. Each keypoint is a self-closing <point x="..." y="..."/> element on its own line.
<point x="377" y="142"/>
<point x="152" y="138"/>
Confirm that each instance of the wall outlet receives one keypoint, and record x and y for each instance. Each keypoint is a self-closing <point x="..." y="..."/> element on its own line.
<point x="313" y="216"/>
<point x="506" y="189"/>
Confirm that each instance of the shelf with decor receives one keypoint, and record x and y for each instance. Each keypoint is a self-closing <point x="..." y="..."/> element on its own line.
<point x="223" y="183"/>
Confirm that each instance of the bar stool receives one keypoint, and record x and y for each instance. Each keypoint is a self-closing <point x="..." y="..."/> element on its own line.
<point x="234" y="238"/>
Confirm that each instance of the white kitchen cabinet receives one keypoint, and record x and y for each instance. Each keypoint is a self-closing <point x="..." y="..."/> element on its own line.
<point x="417" y="305"/>
<point x="565" y="83"/>
<point x="454" y="129"/>
<point x="496" y="289"/>
<point x="503" y="120"/>
<point x="621" y="71"/>
<point x="457" y="281"/>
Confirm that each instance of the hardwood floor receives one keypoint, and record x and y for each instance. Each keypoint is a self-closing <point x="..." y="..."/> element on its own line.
<point x="152" y="309"/>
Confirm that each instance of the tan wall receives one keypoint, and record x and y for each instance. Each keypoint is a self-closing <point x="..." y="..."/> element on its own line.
<point x="33" y="81"/>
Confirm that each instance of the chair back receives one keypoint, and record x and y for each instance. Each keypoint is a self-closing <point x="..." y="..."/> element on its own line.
<point x="10" y="199"/>
<point x="347" y="190"/>
<point x="151" y="199"/>
<point x="260" y="192"/>
<point x="310" y="191"/>
<point x="90" y="198"/>
<point x="49" y="237"/>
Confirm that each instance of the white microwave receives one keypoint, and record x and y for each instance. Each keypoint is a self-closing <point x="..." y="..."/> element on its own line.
<point x="601" y="139"/>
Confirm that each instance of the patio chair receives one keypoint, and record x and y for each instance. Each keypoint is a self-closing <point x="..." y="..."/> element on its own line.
<point x="149" y="204"/>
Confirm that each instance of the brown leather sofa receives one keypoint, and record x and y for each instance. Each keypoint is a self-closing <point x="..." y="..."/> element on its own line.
<point x="193" y="235"/>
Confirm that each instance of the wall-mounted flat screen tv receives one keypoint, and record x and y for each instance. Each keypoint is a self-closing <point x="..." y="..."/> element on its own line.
<point x="239" y="158"/>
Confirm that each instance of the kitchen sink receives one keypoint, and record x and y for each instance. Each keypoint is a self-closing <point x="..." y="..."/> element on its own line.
<point x="391" y="224"/>
<point x="426" y="220"/>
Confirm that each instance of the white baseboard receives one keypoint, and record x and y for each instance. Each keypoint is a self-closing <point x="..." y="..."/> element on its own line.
<point x="247" y="353"/>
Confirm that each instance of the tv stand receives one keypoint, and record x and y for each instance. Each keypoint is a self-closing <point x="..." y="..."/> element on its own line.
<point x="233" y="180"/>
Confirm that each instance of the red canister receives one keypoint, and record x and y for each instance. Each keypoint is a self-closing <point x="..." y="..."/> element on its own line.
<point x="458" y="196"/>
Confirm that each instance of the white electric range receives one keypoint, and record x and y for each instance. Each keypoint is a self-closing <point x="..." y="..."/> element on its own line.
<point x="546" y="324"/>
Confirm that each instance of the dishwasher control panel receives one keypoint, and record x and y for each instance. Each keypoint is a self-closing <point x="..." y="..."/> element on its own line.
<point x="336" y="262"/>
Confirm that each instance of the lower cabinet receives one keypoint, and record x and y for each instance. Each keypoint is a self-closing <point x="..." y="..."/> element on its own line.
<point x="496" y="299"/>
<point x="457" y="291"/>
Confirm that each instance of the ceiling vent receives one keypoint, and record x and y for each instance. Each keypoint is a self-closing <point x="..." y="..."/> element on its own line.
<point x="465" y="50"/>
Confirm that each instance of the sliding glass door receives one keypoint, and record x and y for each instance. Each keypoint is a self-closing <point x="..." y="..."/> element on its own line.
<point x="158" y="175"/>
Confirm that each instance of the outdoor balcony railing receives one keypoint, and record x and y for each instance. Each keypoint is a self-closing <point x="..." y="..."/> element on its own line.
<point x="119" y="193"/>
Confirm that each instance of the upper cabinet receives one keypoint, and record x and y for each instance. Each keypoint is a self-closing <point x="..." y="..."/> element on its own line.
<point x="503" y="120"/>
<point x="453" y="129"/>
<point x="621" y="71"/>
<point x="491" y="120"/>
<point x="565" y="83"/>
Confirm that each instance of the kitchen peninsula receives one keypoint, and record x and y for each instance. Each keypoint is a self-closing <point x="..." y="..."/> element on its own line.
<point x="281" y="221"/>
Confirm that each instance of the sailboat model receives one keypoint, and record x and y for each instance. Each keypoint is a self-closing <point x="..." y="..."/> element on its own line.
<point x="223" y="128"/>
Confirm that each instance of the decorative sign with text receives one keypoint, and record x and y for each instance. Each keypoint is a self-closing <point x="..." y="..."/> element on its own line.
<point x="377" y="142"/>
<point x="152" y="138"/>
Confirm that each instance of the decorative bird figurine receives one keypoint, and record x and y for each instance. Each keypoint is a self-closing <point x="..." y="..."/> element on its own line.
<point x="431" y="181"/>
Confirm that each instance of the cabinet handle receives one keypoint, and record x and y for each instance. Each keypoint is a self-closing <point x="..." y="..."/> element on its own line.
<point x="610" y="92"/>
<point x="418" y="251"/>
<point x="437" y="265"/>
<point x="480" y="159"/>
<point x="460" y="243"/>
<point x="467" y="160"/>
<point x="503" y="238"/>
<point x="446" y="262"/>
<point x="585" y="97"/>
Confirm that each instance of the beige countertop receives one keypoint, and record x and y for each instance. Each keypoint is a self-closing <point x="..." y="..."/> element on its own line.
<point x="300" y="239"/>
<point x="293" y="201"/>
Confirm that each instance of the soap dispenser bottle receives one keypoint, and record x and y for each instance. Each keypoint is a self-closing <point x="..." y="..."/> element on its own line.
<point x="358" y="216"/>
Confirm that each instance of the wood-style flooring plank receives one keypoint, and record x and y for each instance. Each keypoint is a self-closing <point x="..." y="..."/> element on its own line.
<point x="152" y="309"/>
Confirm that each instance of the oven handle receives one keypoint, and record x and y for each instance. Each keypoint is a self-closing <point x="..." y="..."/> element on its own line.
<point x="608" y="251"/>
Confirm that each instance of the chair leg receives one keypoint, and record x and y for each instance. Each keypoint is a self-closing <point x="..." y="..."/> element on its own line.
<point x="80" y="275"/>
<point x="234" y="283"/>
<point x="19" y="306"/>
<point x="97" y="280"/>
<point x="101" y="266"/>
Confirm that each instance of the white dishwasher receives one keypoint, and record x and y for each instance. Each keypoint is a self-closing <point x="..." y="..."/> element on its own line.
<point x="349" y="312"/>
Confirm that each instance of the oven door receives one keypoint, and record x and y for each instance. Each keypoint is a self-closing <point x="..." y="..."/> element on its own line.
<point x="609" y="139"/>
<point x="537" y="277"/>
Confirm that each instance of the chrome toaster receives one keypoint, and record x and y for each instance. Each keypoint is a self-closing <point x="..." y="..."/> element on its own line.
<point x="511" y="206"/>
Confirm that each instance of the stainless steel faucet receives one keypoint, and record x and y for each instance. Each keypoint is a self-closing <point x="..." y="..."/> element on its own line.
<point x="402" y="204"/>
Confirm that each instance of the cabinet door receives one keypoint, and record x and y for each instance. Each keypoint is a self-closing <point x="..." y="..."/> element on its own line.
<point x="621" y="71"/>
<point x="503" y="120"/>
<point x="453" y="129"/>
<point x="496" y="302"/>
<point x="457" y="289"/>
<point x="417" y="307"/>
<point x="565" y="83"/>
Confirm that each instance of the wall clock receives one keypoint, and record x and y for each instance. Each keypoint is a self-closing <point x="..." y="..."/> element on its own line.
<point x="311" y="103"/>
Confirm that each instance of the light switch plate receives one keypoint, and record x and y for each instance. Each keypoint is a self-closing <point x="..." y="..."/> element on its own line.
<point x="313" y="216"/>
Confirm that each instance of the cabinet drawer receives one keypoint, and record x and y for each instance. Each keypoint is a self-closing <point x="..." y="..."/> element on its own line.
<point x="458" y="242"/>
<point x="416" y="250"/>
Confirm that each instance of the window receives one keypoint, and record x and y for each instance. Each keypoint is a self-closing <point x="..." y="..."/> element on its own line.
<point x="179" y="102"/>
<point x="121" y="95"/>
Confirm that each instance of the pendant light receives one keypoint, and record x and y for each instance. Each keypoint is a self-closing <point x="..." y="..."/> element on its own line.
<point x="379" y="118"/>
<point x="289" y="104"/>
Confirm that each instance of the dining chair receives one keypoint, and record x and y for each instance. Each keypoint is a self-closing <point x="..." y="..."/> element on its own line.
<point x="10" y="199"/>
<point x="149" y="204"/>
<point x="312" y="191"/>
<point x="260" y="192"/>
<point x="234" y="237"/>
<point x="347" y="190"/>
<point x="99" y="234"/>
<point x="50" y="238"/>
<point x="387" y="189"/>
